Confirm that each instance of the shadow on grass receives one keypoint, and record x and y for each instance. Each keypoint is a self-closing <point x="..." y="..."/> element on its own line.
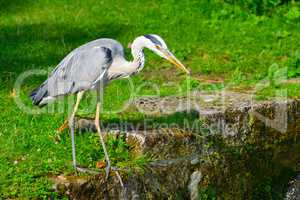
<point x="13" y="5"/>
<point x="39" y="46"/>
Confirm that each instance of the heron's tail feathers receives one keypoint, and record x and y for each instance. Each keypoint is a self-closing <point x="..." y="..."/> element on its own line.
<point x="39" y="94"/>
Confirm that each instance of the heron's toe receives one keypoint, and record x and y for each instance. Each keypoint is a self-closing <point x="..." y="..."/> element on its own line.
<point x="86" y="170"/>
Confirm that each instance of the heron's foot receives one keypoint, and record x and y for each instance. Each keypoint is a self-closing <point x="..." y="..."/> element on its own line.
<point x="108" y="168"/>
<point x="102" y="164"/>
<point x="86" y="170"/>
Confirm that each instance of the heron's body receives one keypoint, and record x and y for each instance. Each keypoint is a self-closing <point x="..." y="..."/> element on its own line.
<point x="87" y="66"/>
<point x="92" y="66"/>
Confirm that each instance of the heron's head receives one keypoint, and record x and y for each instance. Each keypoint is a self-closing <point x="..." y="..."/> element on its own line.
<point x="156" y="44"/>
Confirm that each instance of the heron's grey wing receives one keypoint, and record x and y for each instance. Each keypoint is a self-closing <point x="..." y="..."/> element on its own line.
<point x="80" y="70"/>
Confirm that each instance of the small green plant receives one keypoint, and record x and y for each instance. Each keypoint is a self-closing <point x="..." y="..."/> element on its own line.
<point x="236" y="77"/>
<point x="258" y="7"/>
<point x="121" y="156"/>
<point x="293" y="64"/>
<point x="208" y="193"/>
<point x="293" y="14"/>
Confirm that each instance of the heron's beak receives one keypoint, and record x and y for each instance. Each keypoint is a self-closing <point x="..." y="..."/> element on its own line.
<point x="170" y="57"/>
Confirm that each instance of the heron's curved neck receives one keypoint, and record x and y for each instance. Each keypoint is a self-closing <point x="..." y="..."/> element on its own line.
<point x="138" y="54"/>
<point x="138" y="59"/>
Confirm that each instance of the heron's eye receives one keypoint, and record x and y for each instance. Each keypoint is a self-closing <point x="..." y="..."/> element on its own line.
<point x="158" y="47"/>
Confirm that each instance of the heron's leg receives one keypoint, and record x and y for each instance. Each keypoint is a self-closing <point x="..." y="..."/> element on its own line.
<point x="72" y="126"/>
<point x="97" y="124"/>
<point x="108" y="166"/>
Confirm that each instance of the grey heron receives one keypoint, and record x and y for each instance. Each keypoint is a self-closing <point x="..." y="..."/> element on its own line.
<point x="92" y="66"/>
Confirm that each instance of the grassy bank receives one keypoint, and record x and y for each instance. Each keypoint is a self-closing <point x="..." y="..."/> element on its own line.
<point x="216" y="40"/>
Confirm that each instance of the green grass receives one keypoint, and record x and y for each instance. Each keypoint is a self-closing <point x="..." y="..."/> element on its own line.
<point x="213" y="39"/>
